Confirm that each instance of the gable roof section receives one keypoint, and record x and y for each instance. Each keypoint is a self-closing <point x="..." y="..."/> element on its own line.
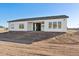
<point x="41" y="18"/>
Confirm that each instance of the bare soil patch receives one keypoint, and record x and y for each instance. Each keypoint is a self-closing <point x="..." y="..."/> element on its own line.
<point x="39" y="43"/>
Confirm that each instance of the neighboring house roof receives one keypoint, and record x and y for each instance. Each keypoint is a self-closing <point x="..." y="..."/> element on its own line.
<point x="41" y="18"/>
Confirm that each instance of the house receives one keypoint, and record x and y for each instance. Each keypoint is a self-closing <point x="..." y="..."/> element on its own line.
<point x="50" y="23"/>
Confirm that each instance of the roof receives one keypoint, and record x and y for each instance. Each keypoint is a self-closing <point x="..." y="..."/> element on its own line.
<point x="41" y="18"/>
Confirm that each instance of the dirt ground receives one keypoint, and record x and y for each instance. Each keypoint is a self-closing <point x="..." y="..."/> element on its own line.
<point x="39" y="44"/>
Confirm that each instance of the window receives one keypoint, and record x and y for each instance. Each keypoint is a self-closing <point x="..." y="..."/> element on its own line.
<point x="50" y="24"/>
<point x="21" y="26"/>
<point x="59" y="25"/>
<point x="42" y="25"/>
<point x="54" y="25"/>
<point x="12" y="26"/>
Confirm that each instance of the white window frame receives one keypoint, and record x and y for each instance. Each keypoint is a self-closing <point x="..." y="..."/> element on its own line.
<point x="55" y="24"/>
<point x="58" y="25"/>
<point x="21" y="26"/>
<point x="12" y="26"/>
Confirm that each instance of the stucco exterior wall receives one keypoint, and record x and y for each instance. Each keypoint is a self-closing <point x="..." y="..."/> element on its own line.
<point x="16" y="26"/>
<point x="63" y="29"/>
<point x="29" y="26"/>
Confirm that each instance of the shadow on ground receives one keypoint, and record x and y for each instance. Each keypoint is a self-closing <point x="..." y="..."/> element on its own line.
<point x="27" y="37"/>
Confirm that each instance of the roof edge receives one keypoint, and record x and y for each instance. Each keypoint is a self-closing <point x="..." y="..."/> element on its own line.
<point x="41" y="18"/>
